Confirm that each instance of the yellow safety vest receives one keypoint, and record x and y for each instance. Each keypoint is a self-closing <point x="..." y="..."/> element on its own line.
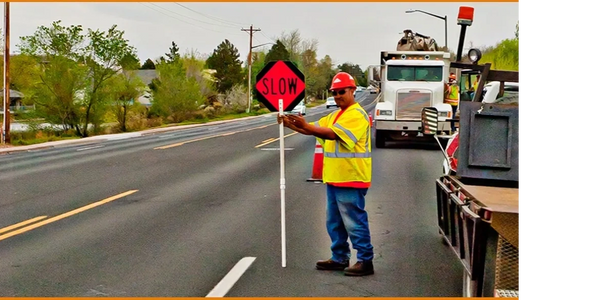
<point x="347" y="159"/>
<point x="452" y="97"/>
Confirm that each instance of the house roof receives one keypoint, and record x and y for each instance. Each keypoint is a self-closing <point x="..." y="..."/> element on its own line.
<point x="13" y="94"/>
<point x="146" y="75"/>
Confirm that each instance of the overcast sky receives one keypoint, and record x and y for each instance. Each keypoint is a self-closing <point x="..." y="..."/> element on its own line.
<point x="348" y="32"/>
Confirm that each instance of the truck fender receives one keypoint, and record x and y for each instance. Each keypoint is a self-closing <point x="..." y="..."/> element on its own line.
<point x="383" y="106"/>
<point x="443" y="108"/>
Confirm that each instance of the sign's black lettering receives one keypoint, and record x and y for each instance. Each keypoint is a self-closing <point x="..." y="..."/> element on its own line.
<point x="285" y="86"/>
<point x="281" y="86"/>
<point x="264" y="82"/>
<point x="292" y="85"/>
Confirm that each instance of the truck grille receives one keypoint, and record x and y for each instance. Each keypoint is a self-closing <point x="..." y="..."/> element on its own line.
<point x="410" y="104"/>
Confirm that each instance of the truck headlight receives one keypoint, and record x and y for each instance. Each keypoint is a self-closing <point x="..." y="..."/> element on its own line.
<point x="474" y="55"/>
<point x="384" y="112"/>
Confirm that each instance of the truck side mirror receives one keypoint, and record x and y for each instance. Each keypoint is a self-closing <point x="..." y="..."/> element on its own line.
<point x="373" y="72"/>
<point x="429" y="121"/>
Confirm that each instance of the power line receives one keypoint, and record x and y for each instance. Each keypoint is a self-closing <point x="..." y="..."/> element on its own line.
<point x="270" y="39"/>
<point x="190" y="17"/>
<point x="196" y="25"/>
<point x="210" y="17"/>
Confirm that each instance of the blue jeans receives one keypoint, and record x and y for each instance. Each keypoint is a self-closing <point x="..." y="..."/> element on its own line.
<point x="346" y="217"/>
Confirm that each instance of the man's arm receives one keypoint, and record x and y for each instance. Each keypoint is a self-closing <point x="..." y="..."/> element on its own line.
<point x="320" y="132"/>
<point x="303" y="127"/>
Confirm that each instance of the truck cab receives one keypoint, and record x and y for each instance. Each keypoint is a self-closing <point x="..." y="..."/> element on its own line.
<point x="409" y="81"/>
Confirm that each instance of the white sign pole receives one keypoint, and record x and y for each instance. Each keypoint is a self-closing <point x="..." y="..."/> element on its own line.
<point x="282" y="186"/>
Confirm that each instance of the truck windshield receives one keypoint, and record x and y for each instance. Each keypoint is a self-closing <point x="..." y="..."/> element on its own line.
<point x="414" y="73"/>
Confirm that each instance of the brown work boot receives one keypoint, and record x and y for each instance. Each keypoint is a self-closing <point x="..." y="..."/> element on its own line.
<point x="331" y="265"/>
<point x="360" y="268"/>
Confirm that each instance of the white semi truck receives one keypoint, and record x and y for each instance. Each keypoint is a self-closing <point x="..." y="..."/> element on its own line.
<point x="408" y="81"/>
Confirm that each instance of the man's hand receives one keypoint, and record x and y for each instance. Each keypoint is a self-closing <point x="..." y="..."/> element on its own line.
<point x="299" y="124"/>
<point x="297" y="121"/>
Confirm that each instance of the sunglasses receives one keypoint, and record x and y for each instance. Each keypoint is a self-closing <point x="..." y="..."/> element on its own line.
<point x="335" y="93"/>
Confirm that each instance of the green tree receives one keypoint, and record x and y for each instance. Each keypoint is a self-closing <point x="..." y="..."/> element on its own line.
<point x="173" y="54"/>
<point x="183" y="85"/>
<point x="130" y="62"/>
<point x="325" y="74"/>
<point x="107" y="53"/>
<point x="195" y="67"/>
<point x="258" y="63"/>
<point x="148" y="65"/>
<point x="293" y="43"/>
<point x="75" y="67"/>
<point x="277" y="52"/>
<point x="24" y="73"/>
<point x="355" y="71"/>
<point x="122" y="90"/>
<point x="225" y="61"/>
<point x="58" y="91"/>
<point x="503" y="56"/>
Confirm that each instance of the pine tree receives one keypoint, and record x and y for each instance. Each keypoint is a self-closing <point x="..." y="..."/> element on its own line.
<point x="277" y="52"/>
<point x="173" y="54"/>
<point x="225" y="61"/>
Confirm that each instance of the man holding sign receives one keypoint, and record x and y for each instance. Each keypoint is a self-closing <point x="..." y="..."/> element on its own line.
<point x="346" y="139"/>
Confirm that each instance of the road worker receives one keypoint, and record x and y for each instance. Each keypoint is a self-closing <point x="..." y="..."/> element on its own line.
<point x="451" y="96"/>
<point x="345" y="135"/>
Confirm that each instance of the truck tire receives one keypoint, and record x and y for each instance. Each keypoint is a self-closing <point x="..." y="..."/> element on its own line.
<point x="380" y="138"/>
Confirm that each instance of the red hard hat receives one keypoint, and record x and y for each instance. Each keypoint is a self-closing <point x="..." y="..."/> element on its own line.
<point x="453" y="76"/>
<point x="342" y="80"/>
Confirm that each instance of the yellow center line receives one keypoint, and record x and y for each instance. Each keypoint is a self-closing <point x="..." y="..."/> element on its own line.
<point x="274" y="140"/>
<point x="209" y="137"/>
<point x="267" y="140"/>
<point x="67" y="214"/>
<point x="11" y="227"/>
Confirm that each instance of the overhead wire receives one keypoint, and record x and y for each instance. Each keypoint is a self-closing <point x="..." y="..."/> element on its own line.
<point x="210" y="17"/>
<point x="196" y="25"/>
<point x="224" y="20"/>
<point x="197" y="20"/>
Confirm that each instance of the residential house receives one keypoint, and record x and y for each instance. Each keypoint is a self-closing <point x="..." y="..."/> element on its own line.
<point x="146" y="76"/>
<point x="16" y="98"/>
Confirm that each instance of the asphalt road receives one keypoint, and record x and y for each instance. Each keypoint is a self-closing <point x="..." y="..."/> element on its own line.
<point x="171" y="214"/>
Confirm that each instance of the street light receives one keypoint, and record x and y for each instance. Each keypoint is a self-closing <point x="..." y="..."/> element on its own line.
<point x="439" y="17"/>
<point x="250" y="75"/>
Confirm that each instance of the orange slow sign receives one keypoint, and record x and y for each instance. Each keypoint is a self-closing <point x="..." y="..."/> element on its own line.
<point x="280" y="80"/>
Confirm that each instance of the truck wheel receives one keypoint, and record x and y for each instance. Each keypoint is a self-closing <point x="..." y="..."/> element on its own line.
<point x="379" y="139"/>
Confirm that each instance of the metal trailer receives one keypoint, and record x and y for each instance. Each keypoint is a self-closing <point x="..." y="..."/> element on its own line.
<point x="481" y="226"/>
<point x="478" y="208"/>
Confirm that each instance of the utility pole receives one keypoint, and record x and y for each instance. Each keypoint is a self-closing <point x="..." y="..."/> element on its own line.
<point x="251" y="31"/>
<point x="6" y="99"/>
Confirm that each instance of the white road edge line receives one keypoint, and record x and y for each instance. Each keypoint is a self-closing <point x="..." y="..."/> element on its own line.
<point x="231" y="278"/>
